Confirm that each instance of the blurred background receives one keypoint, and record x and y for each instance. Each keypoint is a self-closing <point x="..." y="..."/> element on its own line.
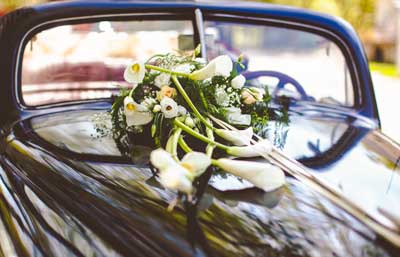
<point x="378" y="24"/>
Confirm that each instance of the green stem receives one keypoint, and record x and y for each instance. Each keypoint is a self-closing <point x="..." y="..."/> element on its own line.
<point x="182" y="143"/>
<point x="210" y="147"/>
<point x="174" y="143"/>
<point x="203" y="99"/>
<point x="214" y="162"/>
<point x="199" y="136"/>
<point x="190" y="103"/>
<point x="175" y="73"/>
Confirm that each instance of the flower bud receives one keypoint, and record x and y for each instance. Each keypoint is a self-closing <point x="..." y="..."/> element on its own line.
<point x="237" y="137"/>
<point x="189" y="122"/>
<point x="261" y="174"/>
<point x="261" y="148"/>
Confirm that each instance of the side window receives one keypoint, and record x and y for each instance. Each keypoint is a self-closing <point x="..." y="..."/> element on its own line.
<point x="86" y="61"/>
<point x="310" y="66"/>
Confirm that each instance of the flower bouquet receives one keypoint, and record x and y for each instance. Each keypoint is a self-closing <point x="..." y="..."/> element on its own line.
<point x="198" y="115"/>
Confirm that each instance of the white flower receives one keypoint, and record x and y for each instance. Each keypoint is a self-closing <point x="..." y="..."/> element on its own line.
<point x="175" y="178"/>
<point x="221" y="97"/>
<point x="261" y="148"/>
<point x="157" y="108"/>
<point x="135" y="72"/>
<point x="136" y="114"/>
<point x="169" y="107"/>
<point x="237" y="137"/>
<point x="196" y="162"/>
<point x="220" y="66"/>
<point x="162" y="80"/>
<point x="238" y="82"/>
<point x="235" y="117"/>
<point x="161" y="159"/>
<point x="263" y="175"/>
<point x="182" y="110"/>
<point x="189" y="122"/>
<point x="179" y="175"/>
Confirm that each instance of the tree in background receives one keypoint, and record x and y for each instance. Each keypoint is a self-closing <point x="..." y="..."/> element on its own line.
<point x="359" y="13"/>
<point x="9" y="5"/>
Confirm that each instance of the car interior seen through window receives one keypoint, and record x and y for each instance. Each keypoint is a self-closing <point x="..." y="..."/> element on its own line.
<point x="87" y="61"/>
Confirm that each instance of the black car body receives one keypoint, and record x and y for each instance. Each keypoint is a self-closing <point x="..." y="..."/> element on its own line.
<point x="64" y="192"/>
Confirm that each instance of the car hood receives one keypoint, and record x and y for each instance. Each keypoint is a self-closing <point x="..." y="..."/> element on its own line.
<point x="67" y="190"/>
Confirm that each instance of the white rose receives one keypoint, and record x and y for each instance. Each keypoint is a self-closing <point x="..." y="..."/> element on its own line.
<point x="169" y="107"/>
<point x="162" y="80"/>
<point x="238" y="82"/>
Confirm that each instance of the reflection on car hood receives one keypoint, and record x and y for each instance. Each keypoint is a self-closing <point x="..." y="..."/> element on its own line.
<point x="66" y="190"/>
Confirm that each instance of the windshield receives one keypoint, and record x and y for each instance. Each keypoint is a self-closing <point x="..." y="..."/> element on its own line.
<point x="294" y="63"/>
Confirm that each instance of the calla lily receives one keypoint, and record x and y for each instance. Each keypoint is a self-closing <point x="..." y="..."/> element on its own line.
<point x="261" y="148"/>
<point x="237" y="137"/>
<point x="238" y="82"/>
<point x="196" y="162"/>
<point x="136" y="114"/>
<point x="262" y="175"/>
<point x="169" y="107"/>
<point x="135" y="72"/>
<point x="220" y="66"/>
<point x="179" y="175"/>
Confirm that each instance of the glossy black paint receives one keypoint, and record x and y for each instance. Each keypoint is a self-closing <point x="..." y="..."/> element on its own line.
<point x="67" y="192"/>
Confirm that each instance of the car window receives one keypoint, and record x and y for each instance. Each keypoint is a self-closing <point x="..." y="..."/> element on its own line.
<point x="309" y="66"/>
<point x="86" y="61"/>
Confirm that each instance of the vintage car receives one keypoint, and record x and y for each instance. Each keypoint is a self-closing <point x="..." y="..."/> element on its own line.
<point x="68" y="188"/>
